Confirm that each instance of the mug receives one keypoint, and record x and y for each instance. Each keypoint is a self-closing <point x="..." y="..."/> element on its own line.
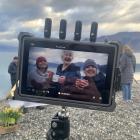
<point x="55" y="78"/>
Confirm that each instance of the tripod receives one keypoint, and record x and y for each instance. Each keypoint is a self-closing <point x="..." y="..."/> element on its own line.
<point x="60" y="126"/>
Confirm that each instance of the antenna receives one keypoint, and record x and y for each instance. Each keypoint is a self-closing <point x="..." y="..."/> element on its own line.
<point x="93" y="31"/>
<point x="78" y="30"/>
<point x="62" y="29"/>
<point x="47" y="28"/>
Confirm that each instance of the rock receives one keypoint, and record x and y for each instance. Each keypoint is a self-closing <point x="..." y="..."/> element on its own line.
<point x="86" y="124"/>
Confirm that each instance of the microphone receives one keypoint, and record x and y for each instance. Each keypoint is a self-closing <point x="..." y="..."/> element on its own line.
<point x="47" y="28"/>
<point x="78" y="30"/>
<point x="93" y="31"/>
<point x="62" y="29"/>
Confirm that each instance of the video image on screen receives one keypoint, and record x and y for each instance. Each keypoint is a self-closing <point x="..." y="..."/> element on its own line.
<point x="66" y="74"/>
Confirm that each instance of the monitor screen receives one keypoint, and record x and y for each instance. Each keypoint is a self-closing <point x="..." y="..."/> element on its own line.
<point x="76" y="73"/>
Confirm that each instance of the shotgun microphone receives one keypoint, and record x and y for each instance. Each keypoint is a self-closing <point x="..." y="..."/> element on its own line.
<point x="62" y="29"/>
<point x="93" y="31"/>
<point x="47" y="28"/>
<point x="78" y="30"/>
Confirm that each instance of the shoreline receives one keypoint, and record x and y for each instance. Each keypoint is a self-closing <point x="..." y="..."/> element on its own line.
<point x="85" y="124"/>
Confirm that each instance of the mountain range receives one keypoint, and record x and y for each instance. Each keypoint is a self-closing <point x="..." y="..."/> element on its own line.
<point x="130" y="38"/>
<point x="8" y="48"/>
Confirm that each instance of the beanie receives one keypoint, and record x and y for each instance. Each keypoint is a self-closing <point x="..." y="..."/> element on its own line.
<point x="40" y="59"/>
<point x="89" y="62"/>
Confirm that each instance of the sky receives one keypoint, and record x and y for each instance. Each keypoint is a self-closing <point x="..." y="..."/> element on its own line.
<point x="54" y="55"/>
<point x="112" y="16"/>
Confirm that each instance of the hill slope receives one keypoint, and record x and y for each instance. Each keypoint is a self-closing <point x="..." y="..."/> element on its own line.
<point x="130" y="38"/>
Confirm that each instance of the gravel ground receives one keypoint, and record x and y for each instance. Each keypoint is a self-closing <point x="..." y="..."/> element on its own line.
<point x="122" y="124"/>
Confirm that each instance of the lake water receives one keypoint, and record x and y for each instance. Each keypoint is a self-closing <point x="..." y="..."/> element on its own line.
<point x="5" y="59"/>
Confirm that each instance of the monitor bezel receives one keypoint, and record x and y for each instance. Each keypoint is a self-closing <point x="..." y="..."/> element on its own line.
<point x="67" y="45"/>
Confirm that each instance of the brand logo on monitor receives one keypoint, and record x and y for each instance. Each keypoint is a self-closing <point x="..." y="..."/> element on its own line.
<point x="60" y="47"/>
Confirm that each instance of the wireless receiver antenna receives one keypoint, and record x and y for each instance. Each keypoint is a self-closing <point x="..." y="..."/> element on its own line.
<point x="93" y="31"/>
<point x="62" y="29"/>
<point x="47" y="28"/>
<point x="78" y="30"/>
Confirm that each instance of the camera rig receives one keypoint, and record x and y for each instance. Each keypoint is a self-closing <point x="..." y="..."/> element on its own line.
<point x="60" y="124"/>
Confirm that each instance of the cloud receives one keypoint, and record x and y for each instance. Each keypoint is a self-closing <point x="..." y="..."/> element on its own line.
<point x="11" y="42"/>
<point x="16" y="12"/>
<point x="64" y="5"/>
<point x="111" y="15"/>
<point x="22" y="10"/>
